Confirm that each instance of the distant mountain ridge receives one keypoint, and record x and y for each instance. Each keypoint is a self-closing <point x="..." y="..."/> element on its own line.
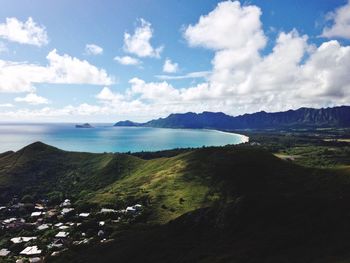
<point x="300" y="118"/>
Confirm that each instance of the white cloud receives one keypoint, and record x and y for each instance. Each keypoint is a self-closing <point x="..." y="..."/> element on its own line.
<point x="71" y="70"/>
<point x="235" y="33"/>
<point x="127" y="60"/>
<point x="153" y="90"/>
<point x="341" y="23"/>
<point x="3" y="48"/>
<point x="62" y="69"/>
<point x="170" y="67"/>
<point x="228" y="26"/>
<point x="33" y="99"/>
<point x="191" y="75"/>
<point x="92" y="49"/>
<point x="23" y="32"/>
<point x="139" y="43"/>
<point x="294" y="74"/>
<point x="106" y="95"/>
<point x="6" y="105"/>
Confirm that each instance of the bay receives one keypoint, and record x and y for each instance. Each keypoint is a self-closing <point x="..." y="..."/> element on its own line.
<point x="106" y="138"/>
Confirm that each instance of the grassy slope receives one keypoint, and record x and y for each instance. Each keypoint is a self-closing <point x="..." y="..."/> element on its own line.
<point x="170" y="186"/>
<point x="269" y="211"/>
<point x="229" y="204"/>
<point x="40" y="169"/>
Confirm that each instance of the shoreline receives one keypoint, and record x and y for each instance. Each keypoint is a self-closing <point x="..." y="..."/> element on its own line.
<point x="244" y="138"/>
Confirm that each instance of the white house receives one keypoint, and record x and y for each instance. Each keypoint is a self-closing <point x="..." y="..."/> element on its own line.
<point x="66" y="203"/>
<point x="62" y="234"/>
<point x="18" y="240"/>
<point x="36" y="214"/>
<point x="66" y="210"/>
<point x="43" y="226"/>
<point x="84" y="215"/>
<point x="29" y="251"/>
<point x="130" y="209"/>
<point x="4" y="252"/>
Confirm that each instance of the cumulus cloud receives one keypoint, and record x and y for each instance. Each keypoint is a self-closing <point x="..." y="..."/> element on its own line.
<point x="294" y="74"/>
<point x="127" y="60"/>
<point x="228" y="26"/>
<point x="243" y="79"/>
<point x="33" y="99"/>
<point x="27" y="32"/>
<point x="340" y="27"/>
<point x="153" y="90"/>
<point x="106" y="95"/>
<point x="139" y="42"/>
<point x="92" y="49"/>
<point x="170" y="67"/>
<point x="62" y="69"/>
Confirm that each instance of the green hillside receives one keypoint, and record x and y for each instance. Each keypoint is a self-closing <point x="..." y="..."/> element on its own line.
<point x="169" y="186"/>
<point x="215" y="204"/>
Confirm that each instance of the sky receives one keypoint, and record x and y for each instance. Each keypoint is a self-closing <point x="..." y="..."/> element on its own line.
<point x="106" y="61"/>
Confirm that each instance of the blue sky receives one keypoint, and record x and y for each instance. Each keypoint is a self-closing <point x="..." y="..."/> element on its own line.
<point x="92" y="61"/>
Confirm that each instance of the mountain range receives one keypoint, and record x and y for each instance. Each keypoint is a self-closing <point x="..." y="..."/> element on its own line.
<point x="301" y="118"/>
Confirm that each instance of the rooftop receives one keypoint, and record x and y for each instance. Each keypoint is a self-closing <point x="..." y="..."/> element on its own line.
<point x="31" y="251"/>
<point x="4" y="252"/>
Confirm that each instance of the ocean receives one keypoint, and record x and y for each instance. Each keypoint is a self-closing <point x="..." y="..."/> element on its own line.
<point x="106" y="138"/>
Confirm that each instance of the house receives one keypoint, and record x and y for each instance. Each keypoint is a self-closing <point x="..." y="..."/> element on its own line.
<point x="66" y="211"/>
<point x="36" y="214"/>
<point x="62" y="234"/>
<point x="4" y="252"/>
<point x="13" y="223"/>
<point x="64" y="227"/>
<point x="39" y="207"/>
<point x="59" y="224"/>
<point x="130" y="209"/>
<point x="84" y="215"/>
<point x="58" y="243"/>
<point x="30" y="251"/>
<point x="101" y="223"/>
<point x="18" y="240"/>
<point x="137" y="206"/>
<point x="35" y="260"/>
<point x="66" y="203"/>
<point x="9" y="220"/>
<point x="43" y="227"/>
<point x="107" y="210"/>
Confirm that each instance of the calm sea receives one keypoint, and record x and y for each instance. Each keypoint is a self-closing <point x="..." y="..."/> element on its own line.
<point x="106" y="138"/>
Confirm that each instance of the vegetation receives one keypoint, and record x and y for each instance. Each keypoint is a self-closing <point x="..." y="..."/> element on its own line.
<point x="284" y="197"/>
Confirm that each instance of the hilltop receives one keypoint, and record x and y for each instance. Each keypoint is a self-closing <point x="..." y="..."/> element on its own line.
<point x="302" y="118"/>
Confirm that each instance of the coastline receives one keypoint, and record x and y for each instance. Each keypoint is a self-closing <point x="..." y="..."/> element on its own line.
<point x="48" y="135"/>
<point x="244" y="138"/>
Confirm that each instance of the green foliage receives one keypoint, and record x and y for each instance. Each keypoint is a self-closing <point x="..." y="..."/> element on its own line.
<point x="215" y="204"/>
<point x="27" y="199"/>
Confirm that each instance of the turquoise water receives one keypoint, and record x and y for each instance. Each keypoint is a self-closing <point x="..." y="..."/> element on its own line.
<point x="105" y="138"/>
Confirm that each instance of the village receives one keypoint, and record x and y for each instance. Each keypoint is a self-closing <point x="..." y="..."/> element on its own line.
<point x="32" y="231"/>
